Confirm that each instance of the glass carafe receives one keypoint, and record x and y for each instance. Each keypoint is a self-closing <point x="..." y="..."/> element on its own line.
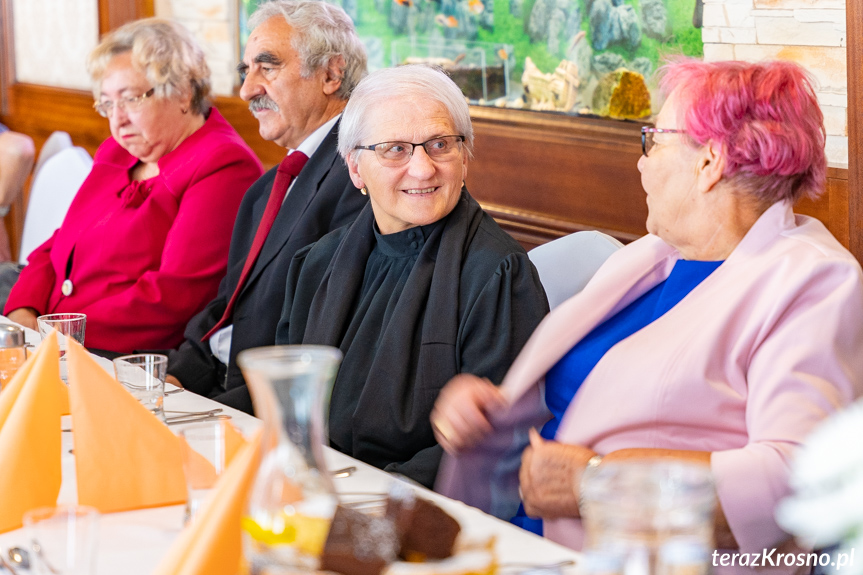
<point x="292" y="501"/>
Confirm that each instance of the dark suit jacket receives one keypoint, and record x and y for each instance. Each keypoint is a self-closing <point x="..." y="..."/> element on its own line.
<point x="321" y="200"/>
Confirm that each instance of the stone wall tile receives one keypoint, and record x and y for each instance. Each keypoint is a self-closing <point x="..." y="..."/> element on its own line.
<point x="201" y="9"/>
<point x="772" y="13"/>
<point x="739" y="16"/>
<point x="835" y="120"/>
<point x="714" y="15"/>
<point x="805" y="15"/>
<point x="710" y="35"/>
<point x="827" y="64"/>
<point x="837" y="151"/>
<point x="223" y="84"/>
<point x="718" y="52"/>
<point x="194" y="26"/>
<point x="738" y="35"/>
<point x="790" y="4"/>
<point x="838" y="99"/>
<point x="789" y="32"/>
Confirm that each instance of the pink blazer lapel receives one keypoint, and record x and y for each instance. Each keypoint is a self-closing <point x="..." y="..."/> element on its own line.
<point x="627" y="274"/>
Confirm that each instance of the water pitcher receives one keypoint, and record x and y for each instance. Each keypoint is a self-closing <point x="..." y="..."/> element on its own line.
<point x="292" y="501"/>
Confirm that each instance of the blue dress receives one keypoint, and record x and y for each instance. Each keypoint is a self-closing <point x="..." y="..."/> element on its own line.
<point x="566" y="376"/>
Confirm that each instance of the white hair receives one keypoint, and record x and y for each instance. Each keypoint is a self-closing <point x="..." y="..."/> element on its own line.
<point x="414" y="80"/>
<point x="322" y="31"/>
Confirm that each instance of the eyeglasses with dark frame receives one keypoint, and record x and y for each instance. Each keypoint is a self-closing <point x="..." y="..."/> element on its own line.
<point x="129" y="104"/>
<point x="394" y="154"/>
<point x="647" y="137"/>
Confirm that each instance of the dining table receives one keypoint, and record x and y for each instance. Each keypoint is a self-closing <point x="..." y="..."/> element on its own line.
<point x="134" y="542"/>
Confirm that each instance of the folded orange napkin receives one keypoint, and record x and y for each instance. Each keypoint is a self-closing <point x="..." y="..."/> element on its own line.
<point x="30" y="408"/>
<point x="212" y="543"/>
<point x="125" y="457"/>
<point x="200" y="473"/>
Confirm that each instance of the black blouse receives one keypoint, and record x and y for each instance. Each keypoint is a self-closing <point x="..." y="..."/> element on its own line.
<point x="421" y="309"/>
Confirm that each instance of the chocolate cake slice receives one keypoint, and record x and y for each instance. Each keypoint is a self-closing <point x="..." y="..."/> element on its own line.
<point x="359" y="543"/>
<point x="425" y="530"/>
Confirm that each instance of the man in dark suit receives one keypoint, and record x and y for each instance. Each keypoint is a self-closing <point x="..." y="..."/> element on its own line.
<point x="297" y="94"/>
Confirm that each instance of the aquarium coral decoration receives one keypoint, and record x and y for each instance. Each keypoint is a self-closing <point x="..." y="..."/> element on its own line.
<point x="622" y="95"/>
<point x="551" y="92"/>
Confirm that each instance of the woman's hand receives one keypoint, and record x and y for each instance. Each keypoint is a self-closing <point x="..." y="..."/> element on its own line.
<point x="25" y="316"/>
<point x="459" y="418"/>
<point x="550" y="477"/>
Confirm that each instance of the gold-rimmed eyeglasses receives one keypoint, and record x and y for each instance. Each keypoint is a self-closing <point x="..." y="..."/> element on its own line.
<point x="647" y="137"/>
<point x="393" y="154"/>
<point x="132" y="104"/>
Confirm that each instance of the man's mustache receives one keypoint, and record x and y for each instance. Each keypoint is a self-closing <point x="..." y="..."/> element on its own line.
<point x="262" y="102"/>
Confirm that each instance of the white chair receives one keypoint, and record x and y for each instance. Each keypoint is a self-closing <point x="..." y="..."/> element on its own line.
<point x="54" y="187"/>
<point x="566" y="264"/>
<point x="56" y="142"/>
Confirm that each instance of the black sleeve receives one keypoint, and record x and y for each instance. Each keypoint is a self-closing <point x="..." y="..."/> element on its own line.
<point x="496" y="324"/>
<point x="502" y="318"/>
<point x="422" y="467"/>
<point x="292" y="323"/>
<point x="193" y="363"/>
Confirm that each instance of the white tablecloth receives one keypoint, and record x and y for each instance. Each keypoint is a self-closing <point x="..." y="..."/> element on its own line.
<point x="132" y="543"/>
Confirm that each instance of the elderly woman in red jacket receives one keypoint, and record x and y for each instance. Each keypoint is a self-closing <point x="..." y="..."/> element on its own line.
<point x="145" y="242"/>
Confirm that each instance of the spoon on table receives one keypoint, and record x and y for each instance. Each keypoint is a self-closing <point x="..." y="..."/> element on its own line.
<point x="21" y="558"/>
<point x="8" y="564"/>
<point x="548" y="568"/>
<point x="185" y="414"/>
<point x="198" y="419"/>
<point x="343" y="472"/>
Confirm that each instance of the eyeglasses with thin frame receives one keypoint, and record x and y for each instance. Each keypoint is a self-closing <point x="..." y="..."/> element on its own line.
<point x="133" y="104"/>
<point x="394" y="154"/>
<point x="647" y="137"/>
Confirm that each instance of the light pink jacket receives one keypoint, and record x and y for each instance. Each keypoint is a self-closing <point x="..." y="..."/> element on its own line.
<point x="769" y="345"/>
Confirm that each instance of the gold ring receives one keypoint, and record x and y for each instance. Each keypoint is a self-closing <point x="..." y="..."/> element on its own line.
<point x="444" y="428"/>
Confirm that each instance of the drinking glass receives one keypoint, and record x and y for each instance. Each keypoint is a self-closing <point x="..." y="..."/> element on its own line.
<point x="62" y="540"/>
<point x="143" y="374"/>
<point x="67" y="325"/>
<point x="648" y="517"/>
<point x="205" y="458"/>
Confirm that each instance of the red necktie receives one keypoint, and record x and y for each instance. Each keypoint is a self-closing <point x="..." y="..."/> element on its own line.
<point x="288" y="170"/>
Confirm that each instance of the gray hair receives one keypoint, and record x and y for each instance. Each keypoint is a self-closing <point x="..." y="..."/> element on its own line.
<point x="322" y="31"/>
<point x="414" y="80"/>
<point x="165" y="52"/>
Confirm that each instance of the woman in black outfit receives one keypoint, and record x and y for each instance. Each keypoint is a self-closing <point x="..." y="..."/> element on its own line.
<point x="424" y="285"/>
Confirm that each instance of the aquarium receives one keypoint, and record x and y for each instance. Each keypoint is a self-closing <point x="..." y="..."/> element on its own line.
<point x="595" y="57"/>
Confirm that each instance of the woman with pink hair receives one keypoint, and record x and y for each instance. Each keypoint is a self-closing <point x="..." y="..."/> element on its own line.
<point x="723" y="336"/>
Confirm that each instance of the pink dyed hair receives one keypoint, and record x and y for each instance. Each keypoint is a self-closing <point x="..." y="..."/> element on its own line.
<point x="766" y="117"/>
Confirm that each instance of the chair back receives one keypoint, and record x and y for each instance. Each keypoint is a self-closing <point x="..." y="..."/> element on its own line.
<point x="566" y="264"/>
<point x="54" y="187"/>
<point x="56" y="142"/>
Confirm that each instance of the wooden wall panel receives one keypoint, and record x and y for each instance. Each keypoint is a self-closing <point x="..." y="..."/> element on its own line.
<point x="115" y="13"/>
<point x="543" y="177"/>
<point x="854" y="35"/>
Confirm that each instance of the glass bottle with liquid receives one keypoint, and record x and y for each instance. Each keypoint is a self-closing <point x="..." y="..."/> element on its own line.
<point x="292" y="501"/>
